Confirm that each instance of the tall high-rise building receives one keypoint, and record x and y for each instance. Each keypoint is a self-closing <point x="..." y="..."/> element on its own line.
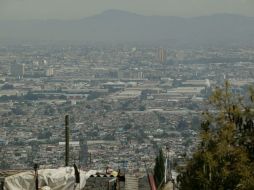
<point x="50" y="72"/>
<point x="140" y="75"/>
<point x="162" y="54"/>
<point x="17" y="70"/>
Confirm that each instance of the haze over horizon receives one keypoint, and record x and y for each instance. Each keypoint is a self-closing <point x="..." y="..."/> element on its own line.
<point x="69" y="10"/>
<point x="120" y="27"/>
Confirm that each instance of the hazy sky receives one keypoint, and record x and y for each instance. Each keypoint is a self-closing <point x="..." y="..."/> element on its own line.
<point x="73" y="9"/>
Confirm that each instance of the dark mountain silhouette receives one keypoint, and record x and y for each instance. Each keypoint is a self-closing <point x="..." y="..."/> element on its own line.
<point x="119" y="26"/>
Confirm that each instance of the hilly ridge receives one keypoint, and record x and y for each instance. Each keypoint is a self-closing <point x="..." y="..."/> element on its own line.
<point x="119" y="26"/>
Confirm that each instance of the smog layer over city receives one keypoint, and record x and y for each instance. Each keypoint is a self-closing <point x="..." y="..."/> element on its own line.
<point x="127" y="95"/>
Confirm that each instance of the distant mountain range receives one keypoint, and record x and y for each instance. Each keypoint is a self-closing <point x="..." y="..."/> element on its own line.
<point x="119" y="26"/>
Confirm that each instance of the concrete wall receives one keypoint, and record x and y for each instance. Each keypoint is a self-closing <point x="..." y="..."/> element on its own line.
<point x="98" y="183"/>
<point x="101" y="183"/>
<point x="143" y="183"/>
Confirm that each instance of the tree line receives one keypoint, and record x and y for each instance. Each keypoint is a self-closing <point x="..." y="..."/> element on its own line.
<point x="224" y="158"/>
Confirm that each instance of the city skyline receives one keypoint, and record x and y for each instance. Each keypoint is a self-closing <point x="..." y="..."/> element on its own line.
<point x="126" y="94"/>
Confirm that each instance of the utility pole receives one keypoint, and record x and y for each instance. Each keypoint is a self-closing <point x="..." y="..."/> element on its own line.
<point x="36" y="166"/>
<point x="67" y="139"/>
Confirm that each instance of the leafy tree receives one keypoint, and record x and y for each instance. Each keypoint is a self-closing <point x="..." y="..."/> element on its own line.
<point x="7" y="87"/>
<point x="44" y="135"/>
<point x="182" y="125"/>
<point x="18" y="111"/>
<point x="93" y="95"/>
<point x="224" y="159"/>
<point x="142" y="108"/>
<point x="159" y="169"/>
<point x="4" y="165"/>
<point x="195" y="123"/>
